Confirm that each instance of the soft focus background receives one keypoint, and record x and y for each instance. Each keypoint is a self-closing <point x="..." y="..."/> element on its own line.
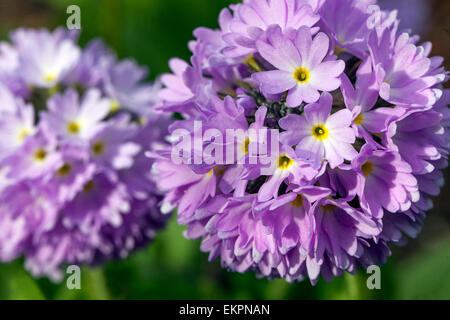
<point x="153" y="31"/>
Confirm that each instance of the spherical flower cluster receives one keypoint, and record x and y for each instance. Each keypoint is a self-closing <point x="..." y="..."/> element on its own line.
<point x="363" y="124"/>
<point x="75" y="183"/>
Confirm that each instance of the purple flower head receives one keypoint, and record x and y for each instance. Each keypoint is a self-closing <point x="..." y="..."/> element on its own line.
<point x="359" y="135"/>
<point x="75" y="184"/>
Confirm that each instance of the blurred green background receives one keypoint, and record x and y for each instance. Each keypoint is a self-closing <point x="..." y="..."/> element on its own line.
<point x="153" y="31"/>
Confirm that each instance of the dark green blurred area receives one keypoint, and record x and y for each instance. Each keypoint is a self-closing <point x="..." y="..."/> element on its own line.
<point x="152" y="31"/>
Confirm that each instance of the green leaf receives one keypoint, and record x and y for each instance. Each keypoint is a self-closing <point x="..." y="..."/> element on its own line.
<point x="17" y="284"/>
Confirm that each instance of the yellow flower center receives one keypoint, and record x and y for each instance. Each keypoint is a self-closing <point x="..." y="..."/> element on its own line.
<point x="115" y="105"/>
<point x="245" y="146"/>
<point x="23" y="133"/>
<point x="142" y="121"/>
<point x="89" y="186"/>
<point x="220" y="170"/>
<point x="338" y="50"/>
<point x="328" y="207"/>
<point x="73" y="127"/>
<point x="64" y="170"/>
<point x="301" y="75"/>
<point x="367" y="168"/>
<point x="98" y="148"/>
<point x="320" y="132"/>
<point x="40" y="155"/>
<point x="359" y="119"/>
<point x="284" y="162"/>
<point x="49" y="77"/>
<point x="297" y="202"/>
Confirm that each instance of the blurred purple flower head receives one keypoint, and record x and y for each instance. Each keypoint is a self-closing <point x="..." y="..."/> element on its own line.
<point x="364" y="134"/>
<point x="74" y="125"/>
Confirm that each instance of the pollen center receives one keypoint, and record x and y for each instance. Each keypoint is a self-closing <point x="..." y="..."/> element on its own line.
<point x="367" y="168"/>
<point x="40" y="155"/>
<point x="320" y="132"/>
<point x="73" y="127"/>
<point x="301" y="75"/>
<point x="328" y="207"/>
<point x="23" y="133"/>
<point x="115" y="106"/>
<point x="50" y="77"/>
<point x="89" y="186"/>
<point x="64" y="170"/>
<point x="297" y="202"/>
<point x="285" y="162"/>
<point x="359" y="119"/>
<point x="245" y="146"/>
<point x="98" y="148"/>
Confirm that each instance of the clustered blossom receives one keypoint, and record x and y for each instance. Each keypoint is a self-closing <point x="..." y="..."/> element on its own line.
<point x="364" y="135"/>
<point x="75" y="185"/>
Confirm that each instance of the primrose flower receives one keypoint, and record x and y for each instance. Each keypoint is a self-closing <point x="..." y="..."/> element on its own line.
<point x="286" y="166"/>
<point x="301" y="66"/>
<point x="402" y="71"/>
<point x="72" y="119"/>
<point x="320" y="136"/>
<point x="362" y="136"/>
<point x="389" y="183"/>
<point x="252" y="18"/>
<point x="17" y="122"/>
<point x="75" y="183"/>
<point x="56" y="58"/>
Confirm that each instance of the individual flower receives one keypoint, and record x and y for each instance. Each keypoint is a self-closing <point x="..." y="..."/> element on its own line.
<point x="350" y="22"/>
<point x="175" y="90"/>
<point x="123" y="83"/>
<point x="251" y="18"/>
<point x="74" y="119"/>
<point x="402" y="71"/>
<point x="75" y="184"/>
<point x="37" y="156"/>
<point x="16" y="121"/>
<point x="44" y="58"/>
<point x="319" y="135"/>
<point x="359" y="136"/>
<point x="337" y="232"/>
<point x="286" y="166"/>
<point x="301" y="69"/>
<point x="388" y="184"/>
<point x="361" y="100"/>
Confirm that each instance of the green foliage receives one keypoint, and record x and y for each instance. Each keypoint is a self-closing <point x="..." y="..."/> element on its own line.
<point x="17" y="284"/>
<point x="426" y="275"/>
<point x="151" y="31"/>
